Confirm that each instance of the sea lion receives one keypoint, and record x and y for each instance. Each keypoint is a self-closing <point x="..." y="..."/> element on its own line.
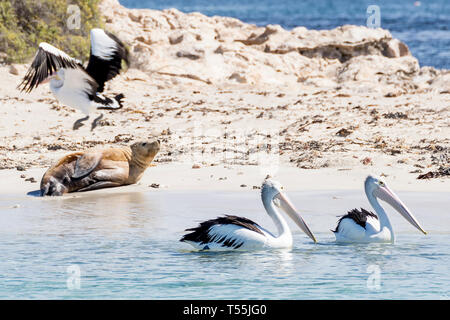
<point x="98" y="168"/>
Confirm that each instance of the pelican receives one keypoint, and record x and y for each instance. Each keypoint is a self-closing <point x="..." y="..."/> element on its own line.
<point x="71" y="83"/>
<point x="364" y="226"/>
<point x="237" y="233"/>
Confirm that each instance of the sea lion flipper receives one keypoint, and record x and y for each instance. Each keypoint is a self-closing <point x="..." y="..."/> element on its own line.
<point x="86" y="164"/>
<point x="100" y="185"/>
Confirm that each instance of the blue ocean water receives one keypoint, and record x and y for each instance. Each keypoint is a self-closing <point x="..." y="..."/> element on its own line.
<point x="423" y="25"/>
<point x="124" y="245"/>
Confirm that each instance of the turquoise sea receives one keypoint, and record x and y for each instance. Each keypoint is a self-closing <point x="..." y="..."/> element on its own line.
<point x="124" y="245"/>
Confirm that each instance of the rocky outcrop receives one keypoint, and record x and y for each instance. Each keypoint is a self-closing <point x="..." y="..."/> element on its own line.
<point x="225" y="51"/>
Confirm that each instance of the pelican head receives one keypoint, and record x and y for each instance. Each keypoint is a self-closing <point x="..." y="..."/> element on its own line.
<point x="271" y="191"/>
<point x="56" y="79"/>
<point x="376" y="187"/>
<point x="59" y="75"/>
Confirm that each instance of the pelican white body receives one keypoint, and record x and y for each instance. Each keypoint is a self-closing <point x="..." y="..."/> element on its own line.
<point x="70" y="87"/>
<point x="374" y="228"/>
<point x="349" y="231"/>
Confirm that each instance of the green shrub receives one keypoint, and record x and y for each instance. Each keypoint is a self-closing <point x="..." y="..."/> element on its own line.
<point x="26" y="23"/>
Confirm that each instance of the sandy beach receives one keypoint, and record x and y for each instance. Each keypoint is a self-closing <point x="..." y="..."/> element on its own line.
<point x="231" y="103"/>
<point x="228" y="130"/>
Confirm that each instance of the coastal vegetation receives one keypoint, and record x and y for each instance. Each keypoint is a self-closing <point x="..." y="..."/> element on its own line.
<point x="62" y="23"/>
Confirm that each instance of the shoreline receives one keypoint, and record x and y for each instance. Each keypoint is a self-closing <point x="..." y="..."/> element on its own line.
<point x="182" y="177"/>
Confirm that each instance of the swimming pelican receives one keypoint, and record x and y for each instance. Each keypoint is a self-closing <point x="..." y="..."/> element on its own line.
<point x="232" y="232"/>
<point x="364" y="226"/>
<point x="71" y="83"/>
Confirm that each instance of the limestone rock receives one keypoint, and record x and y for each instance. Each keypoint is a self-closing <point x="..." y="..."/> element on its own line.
<point x="225" y="51"/>
<point x="13" y="70"/>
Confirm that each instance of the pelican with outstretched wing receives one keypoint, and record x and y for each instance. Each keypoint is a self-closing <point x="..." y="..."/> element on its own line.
<point x="74" y="85"/>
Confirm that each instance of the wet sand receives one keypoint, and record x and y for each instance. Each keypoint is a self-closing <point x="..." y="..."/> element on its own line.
<point x="182" y="177"/>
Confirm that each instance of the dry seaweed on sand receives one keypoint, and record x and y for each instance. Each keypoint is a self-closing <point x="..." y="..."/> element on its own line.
<point x="441" y="172"/>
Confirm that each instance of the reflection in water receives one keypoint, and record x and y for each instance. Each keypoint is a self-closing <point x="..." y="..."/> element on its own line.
<point x="111" y="212"/>
<point x="108" y="214"/>
<point x="285" y="258"/>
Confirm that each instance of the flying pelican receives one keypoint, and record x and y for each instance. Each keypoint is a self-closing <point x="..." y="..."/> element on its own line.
<point x="364" y="226"/>
<point x="232" y="232"/>
<point x="71" y="83"/>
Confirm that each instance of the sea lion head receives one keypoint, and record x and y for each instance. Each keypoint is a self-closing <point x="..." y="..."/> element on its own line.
<point x="55" y="183"/>
<point x="144" y="151"/>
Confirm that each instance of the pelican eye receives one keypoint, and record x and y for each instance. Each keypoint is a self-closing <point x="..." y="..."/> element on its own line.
<point x="381" y="183"/>
<point x="277" y="202"/>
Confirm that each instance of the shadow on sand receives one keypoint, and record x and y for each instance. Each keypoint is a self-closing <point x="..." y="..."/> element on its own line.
<point x="35" y="193"/>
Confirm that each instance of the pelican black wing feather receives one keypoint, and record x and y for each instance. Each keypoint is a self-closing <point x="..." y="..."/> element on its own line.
<point x="359" y="216"/>
<point x="102" y="68"/>
<point x="47" y="60"/>
<point x="202" y="236"/>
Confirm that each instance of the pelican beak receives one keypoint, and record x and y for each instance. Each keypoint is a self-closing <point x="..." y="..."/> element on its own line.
<point x="290" y="210"/>
<point x="387" y="195"/>
<point x="47" y="80"/>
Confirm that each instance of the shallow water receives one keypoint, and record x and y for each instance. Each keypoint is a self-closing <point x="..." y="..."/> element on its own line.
<point x="425" y="28"/>
<point x="125" y="245"/>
